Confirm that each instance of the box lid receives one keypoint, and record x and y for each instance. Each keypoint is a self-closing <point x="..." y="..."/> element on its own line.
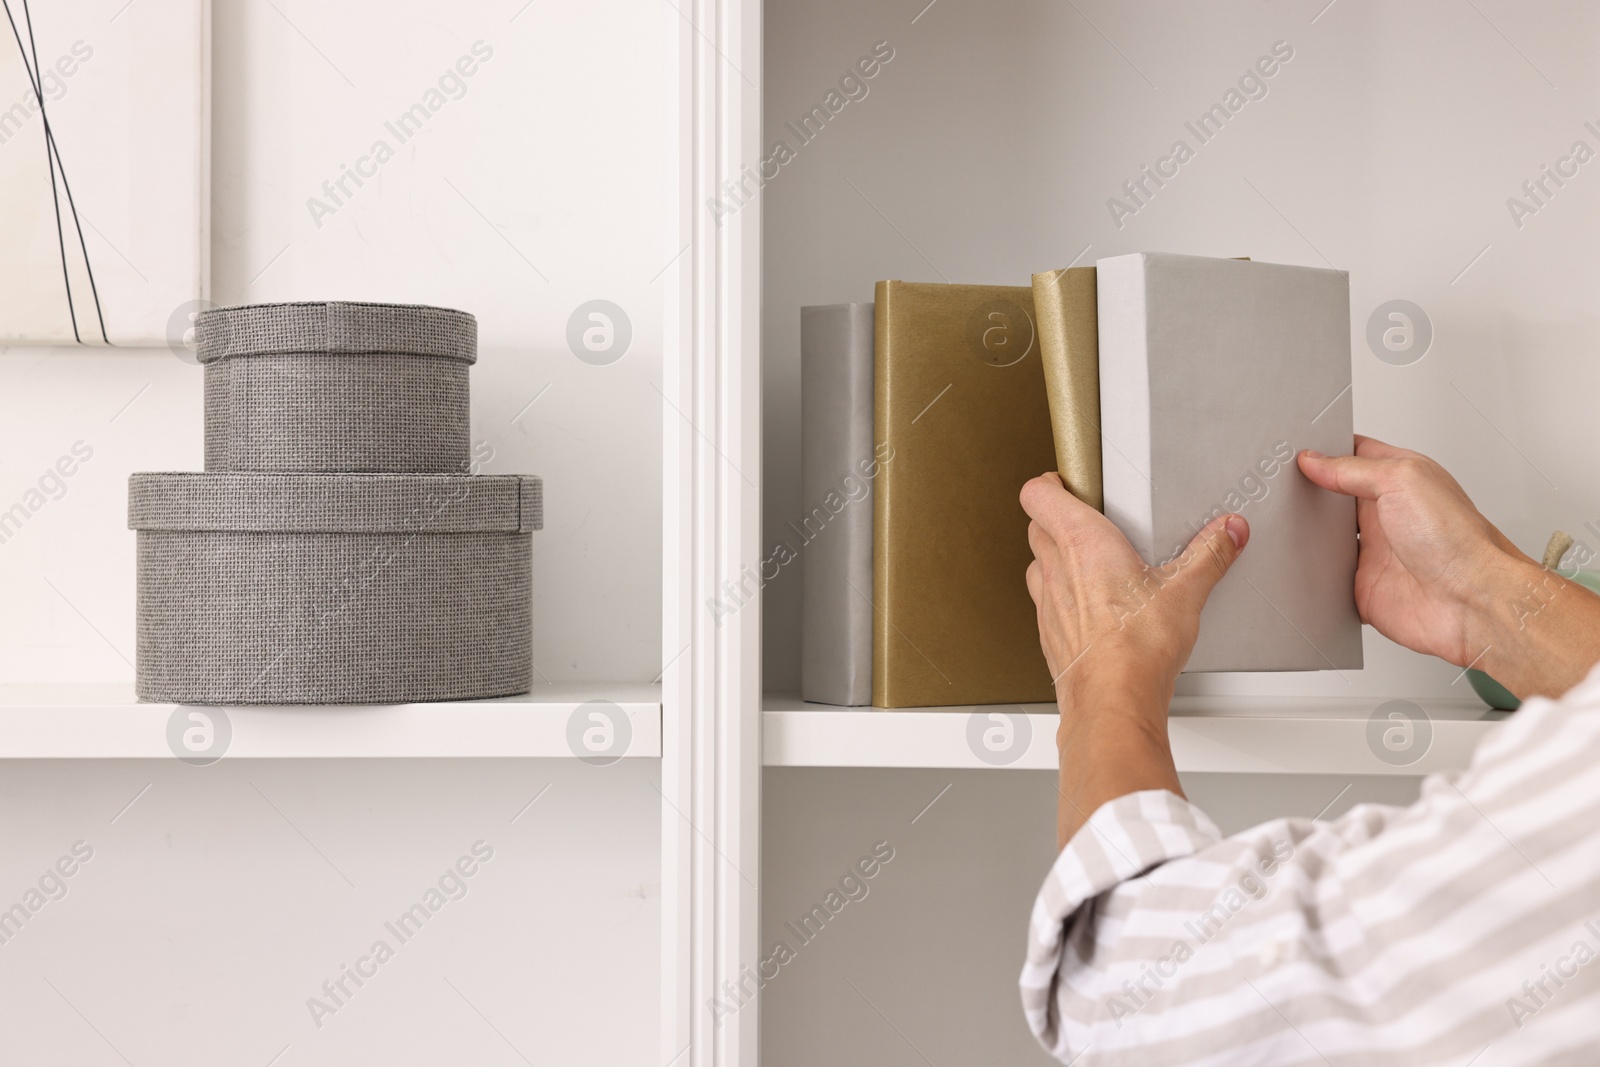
<point x="336" y="327"/>
<point x="335" y="503"/>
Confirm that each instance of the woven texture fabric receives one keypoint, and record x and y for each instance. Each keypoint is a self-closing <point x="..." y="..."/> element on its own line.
<point x="337" y="549"/>
<point x="336" y="327"/>
<point x="340" y="618"/>
<point x="311" y="411"/>
<point x="335" y="503"/>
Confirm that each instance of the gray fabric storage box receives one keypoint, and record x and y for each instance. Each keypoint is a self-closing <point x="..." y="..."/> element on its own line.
<point x="337" y="387"/>
<point x="333" y="588"/>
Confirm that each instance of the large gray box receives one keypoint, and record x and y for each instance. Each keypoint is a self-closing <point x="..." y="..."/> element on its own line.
<point x="333" y="588"/>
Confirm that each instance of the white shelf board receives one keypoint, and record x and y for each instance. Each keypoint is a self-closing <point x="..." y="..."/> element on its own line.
<point x="106" y="722"/>
<point x="1254" y="735"/>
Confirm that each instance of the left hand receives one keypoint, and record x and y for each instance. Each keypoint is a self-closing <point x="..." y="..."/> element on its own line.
<point x="1115" y="633"/>
<point x="1097" y="598"/>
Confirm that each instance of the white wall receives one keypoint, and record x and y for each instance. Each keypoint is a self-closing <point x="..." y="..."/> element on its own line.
<point x="205" y="919"/>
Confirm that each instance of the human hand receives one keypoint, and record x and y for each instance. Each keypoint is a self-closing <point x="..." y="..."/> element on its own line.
<point x="1436" y="576"/>
<point x="1095" y="596"/>
<point x="1115" y="634"/>
<point x="1427" y="554"/>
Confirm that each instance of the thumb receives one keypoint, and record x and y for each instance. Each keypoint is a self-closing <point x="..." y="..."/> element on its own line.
<point x="1207" y="558"/>
<point x="1358" y="476"/>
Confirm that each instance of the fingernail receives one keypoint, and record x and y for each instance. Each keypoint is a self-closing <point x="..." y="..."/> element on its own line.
<point x="1237" y="529"/>
<point x="1314" y="454"/>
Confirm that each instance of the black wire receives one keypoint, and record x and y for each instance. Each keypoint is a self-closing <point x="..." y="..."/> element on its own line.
<point x="50" y="140"/>
<point x="61" y="241"/>
<point x="56" y="163"/>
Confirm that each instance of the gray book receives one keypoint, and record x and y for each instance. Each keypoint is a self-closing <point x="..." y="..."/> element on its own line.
<point x="836" y="476"/>
<point x="1214" y="373"/>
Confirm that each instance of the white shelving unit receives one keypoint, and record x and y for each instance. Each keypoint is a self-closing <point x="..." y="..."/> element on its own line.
<point x="1249" y="735"/>
<point x="987" y="149"/>
<point x="106" y="722"/>
<point x="1239" y="735"/>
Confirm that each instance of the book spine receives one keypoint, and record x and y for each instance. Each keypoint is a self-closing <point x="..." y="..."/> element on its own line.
<point x="834" y="533"/>
<point x="1125" y="401"/>
<point x="1082" y="387"/>
<point x="1049" y="305"/>
<point x="1064" y="301"/>
<point x="883" y="491"/>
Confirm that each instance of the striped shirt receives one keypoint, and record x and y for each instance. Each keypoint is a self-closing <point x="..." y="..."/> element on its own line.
<point x="1462" y="930"/>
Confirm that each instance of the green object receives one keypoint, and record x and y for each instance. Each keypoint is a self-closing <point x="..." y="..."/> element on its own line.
<point x="1492" y="692"/>
<point x="1498" y="696"/>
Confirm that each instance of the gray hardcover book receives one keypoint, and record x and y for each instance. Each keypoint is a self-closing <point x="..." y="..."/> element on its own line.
<point x="836" y="474"/>
<point x="1214" y="373"/>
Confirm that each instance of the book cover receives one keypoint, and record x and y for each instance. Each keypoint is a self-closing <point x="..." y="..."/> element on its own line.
<point x="1069" y="344"/>
<point x="961" y="422"/>
<point x="837" y="471"/>
<point x="1214" y="373"/>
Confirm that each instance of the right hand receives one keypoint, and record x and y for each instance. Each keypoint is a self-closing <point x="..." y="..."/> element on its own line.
<point x="1432" y="572"/>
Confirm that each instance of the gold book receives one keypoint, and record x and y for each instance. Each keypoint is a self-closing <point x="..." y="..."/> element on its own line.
<point x="961" y="421"/>
<point x="1069" y="344"/>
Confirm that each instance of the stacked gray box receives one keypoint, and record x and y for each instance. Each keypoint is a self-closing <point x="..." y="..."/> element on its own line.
<point x="339" y="547"/>
<point x="336" y="387"/>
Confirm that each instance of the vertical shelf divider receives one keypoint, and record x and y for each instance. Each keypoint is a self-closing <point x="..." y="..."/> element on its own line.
<point x="711" y="427"/>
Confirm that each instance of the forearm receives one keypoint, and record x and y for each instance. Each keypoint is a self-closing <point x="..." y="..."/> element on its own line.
<point x="1112" y="741"/>
<point x="1538" y="633"/>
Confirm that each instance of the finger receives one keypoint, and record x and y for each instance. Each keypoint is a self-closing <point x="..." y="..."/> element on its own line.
<point x="1374" y="542"/>
<point x="1210" y="554"/>
<point x="1357" y="476"/>
<point x="1037" y="492"/>
<point x="1035" y="579"/>
<point x="1047" y="502"/>
<point x="1372" y="448"/>
<point x="1039" y="542"/>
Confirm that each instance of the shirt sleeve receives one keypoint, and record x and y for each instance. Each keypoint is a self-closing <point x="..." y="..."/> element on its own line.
<point x="1122" y="841"/>
<point x="1154" y="940"/>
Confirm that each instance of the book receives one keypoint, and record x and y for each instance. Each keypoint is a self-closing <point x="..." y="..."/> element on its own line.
<point x="1069" y="345"/>
<point x="1214" y="373"/>
<point x="961" y="422"/>
<point x="837" y="471"/>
